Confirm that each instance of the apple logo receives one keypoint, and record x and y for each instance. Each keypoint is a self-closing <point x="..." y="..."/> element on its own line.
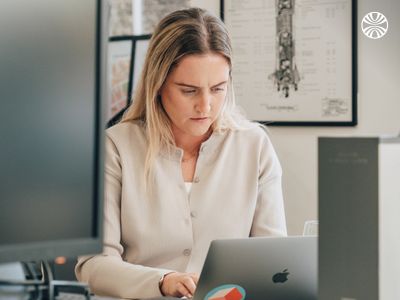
<point x="281" y="277"/>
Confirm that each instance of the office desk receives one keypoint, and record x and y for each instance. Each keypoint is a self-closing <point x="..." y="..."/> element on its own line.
<point x="18" y="295"/>
<point x="65" y="296"/>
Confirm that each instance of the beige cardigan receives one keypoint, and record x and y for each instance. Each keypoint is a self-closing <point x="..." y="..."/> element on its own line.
<point x="236" y="193"/>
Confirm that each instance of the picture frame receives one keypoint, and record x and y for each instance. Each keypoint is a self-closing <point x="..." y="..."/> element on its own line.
<point x="126" y="59"/>
<point x="294" y="62"/>
<point x="119" y="73"/>
<point x="140" y="46"/>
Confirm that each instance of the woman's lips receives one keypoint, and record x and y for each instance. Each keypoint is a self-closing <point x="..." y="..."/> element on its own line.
<point x="199" y="119"/>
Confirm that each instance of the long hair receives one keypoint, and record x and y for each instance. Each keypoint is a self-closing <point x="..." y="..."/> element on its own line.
<point x="181" y="33"/>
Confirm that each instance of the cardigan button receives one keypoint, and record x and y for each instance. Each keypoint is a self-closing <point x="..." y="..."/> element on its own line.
<point x="187" y="252"/>
<point x="193" y="214"/>
<point x="196" y="180"/>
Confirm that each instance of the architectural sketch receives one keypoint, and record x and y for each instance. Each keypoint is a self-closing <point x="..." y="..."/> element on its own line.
<point x="139" y="17"/>
<point x="120" y="17"/>
<point x="286" y="73"/>
<point x="119" y="62"/>
<point x="154" y="10"/>
<point x="119" y="85"/>
<point x="295" y="60"/>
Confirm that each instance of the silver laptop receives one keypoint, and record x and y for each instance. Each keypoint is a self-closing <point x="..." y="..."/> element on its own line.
<point x="275" y="268"/>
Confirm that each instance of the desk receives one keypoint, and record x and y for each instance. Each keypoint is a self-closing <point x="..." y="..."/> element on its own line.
<point x="65" y="296"/>
<point x="20" y="295"/>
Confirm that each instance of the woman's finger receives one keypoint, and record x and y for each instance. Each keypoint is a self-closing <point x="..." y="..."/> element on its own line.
<point x="195" y="278"/>
<point x="182" y="290"/>
<point x="189" y="284"/>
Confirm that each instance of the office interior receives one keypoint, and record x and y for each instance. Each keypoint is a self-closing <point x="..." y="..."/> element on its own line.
<point x="378" y="107"/>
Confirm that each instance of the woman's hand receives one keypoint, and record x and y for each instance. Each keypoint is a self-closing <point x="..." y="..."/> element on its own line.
<point x="179" y="284"/>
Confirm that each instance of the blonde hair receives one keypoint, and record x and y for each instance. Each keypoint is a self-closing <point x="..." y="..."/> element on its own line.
<point x="183" y="32"/>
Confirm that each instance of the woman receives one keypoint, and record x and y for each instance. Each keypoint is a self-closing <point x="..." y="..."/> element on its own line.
<point x="182" y="168"/>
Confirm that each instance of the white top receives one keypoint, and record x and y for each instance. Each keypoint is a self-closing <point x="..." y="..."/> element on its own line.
<point x="188" y="186"/>
<point x="236" y="193"/>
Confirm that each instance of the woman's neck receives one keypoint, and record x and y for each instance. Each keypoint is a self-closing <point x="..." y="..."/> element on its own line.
<point x="189" y="143"/>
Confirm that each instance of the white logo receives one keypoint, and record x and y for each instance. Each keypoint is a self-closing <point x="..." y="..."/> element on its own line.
<point x="374" y="25"/>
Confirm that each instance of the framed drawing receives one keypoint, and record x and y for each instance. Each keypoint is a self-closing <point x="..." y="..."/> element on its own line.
<point x="126" y="58"/>
<point x="295" y="61"/>
<point x="119" y="66"/>
<point x="140" y="44"/>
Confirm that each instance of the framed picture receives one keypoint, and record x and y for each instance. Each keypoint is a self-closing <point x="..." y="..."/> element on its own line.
<point x="140" y="44"/>
<point x="294" y="61"/>
<point x="119" y="66"/>
<point x="126" y="58"/>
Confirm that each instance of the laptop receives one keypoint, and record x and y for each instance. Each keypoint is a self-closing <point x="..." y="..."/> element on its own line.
<point x="275" y="268"/>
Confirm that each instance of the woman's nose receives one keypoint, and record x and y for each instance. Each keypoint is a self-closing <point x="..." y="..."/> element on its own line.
<point x="203" y="104"/>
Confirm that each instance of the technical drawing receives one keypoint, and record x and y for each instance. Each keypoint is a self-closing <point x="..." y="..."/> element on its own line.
<point x="286" y="73"/>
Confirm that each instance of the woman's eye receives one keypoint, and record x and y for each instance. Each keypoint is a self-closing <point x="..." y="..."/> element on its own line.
<point x="219" y="89"/>
<point x="188" y="91"/>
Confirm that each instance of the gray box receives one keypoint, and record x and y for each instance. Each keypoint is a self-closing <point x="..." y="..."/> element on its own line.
<point x="359" y="208"/>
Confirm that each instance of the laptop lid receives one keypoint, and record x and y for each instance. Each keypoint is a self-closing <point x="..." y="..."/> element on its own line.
<point x="278" y="268"/>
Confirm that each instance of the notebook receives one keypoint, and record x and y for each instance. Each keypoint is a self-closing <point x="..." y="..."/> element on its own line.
<point x="276" y="268"/>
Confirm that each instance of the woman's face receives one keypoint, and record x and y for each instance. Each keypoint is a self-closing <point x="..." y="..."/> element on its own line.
<point x="194" y="92"/>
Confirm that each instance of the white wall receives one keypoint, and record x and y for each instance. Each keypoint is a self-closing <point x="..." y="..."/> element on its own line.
<point x="378" y="113"/>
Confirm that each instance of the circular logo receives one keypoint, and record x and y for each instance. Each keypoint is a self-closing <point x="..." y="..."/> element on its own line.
<point x="374" y="25"/>
<point x="226" y="291"/>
